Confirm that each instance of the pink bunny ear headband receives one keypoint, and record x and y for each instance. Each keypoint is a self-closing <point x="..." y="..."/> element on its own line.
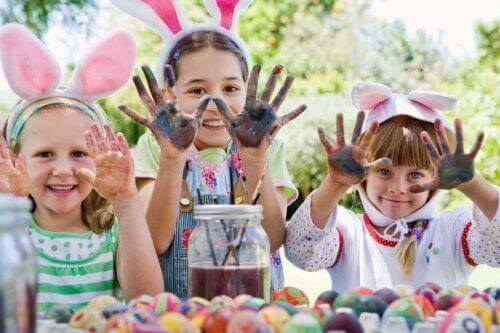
<point x="167" y="17"/>
<point x="383" y="104"/>
<point x="34" y="74"/>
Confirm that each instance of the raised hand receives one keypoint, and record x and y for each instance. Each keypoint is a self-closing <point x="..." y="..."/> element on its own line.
<point x="114" y="167"/>
<point x="348" y="163"/>
<point x="454" y="168"/>
<point x="14" y="178"/>
<point x="171" y="127"/>
<point x="259" y="120"/>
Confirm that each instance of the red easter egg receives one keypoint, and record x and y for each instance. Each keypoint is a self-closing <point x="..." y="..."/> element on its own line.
<point x="291" y="295"/>
<point x="218" y="320"/>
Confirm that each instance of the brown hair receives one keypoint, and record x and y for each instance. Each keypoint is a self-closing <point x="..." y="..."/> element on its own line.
<point x="199" y="40"/>
<point x="97" y="212"/>
<point x="399" y="139"/>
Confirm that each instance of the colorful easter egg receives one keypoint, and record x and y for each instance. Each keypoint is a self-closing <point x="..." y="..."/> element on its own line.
<point x="387" y="295"/>
<point x="406" y="308"/>
<point x="164" y="302"/>
<point x="60" y="313"/>
<point x="275" y="316"/>
<point x="346" y="322"/>
<point x="326" y="297"/>
<point x="141" y="301"/>
<point x="176" y="323"/>
<point x="247" y="322"/>
<point x="302" y="323"/>
<point x="291" y="295"/>
<point x="370" y="304"/>
<point x="218" y="320"/>
<point x="347" y="300"/>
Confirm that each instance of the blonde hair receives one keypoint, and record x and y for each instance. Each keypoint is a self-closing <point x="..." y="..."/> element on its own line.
<point x="399" y="139"/>
<point x="97" y="212"/>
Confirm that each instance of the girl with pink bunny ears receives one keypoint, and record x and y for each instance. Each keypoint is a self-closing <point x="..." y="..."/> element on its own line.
<point x="88" y="228"/>
<point x="208" y="138"/>
<point x="399" y="158"/>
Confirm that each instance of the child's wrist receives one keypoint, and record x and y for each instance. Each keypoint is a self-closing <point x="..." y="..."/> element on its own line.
<point x="121" y="202"/>
<point x="334" y="185"/>
<point x="465" y="187"/>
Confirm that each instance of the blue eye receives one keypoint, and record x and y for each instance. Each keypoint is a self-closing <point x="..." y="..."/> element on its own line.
<point x="384" y="172"/>
<point x="416" y="175"/>
<point x="79" y="154"/>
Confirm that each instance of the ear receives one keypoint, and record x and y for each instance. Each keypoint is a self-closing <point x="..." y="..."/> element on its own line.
<point x="366" y="96"/>
<point x="30" y="68"/>
<point x="165" y="16"/>
<point x="106" y="67"/>
<point x="433" y="100"/>
<point x="226" y="12"/>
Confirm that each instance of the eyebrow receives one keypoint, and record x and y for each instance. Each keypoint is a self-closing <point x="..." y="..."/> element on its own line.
<point x="230" y="78"/>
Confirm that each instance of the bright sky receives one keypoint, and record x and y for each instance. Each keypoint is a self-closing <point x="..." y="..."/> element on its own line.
<point x="452" y="19"/>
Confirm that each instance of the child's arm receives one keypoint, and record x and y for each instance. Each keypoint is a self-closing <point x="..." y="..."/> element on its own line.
<point x="137" y="265"/>
<point x="14" y="178"/>
<point x="175" y="133"/>
<point x="309" y="247"/>
<point x="253" y="131"/>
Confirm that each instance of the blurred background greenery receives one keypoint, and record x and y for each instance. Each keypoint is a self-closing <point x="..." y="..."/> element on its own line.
<point x="329" y="45"/>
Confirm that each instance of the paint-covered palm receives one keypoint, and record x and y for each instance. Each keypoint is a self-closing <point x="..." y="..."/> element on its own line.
<point x="348" y="163"/>
<point x="14" y="178"/>
<point x="114" y="167"/>
<point x="171" y="127"/>
<point x="453" y="168"/>
<point x="259" y="119"/>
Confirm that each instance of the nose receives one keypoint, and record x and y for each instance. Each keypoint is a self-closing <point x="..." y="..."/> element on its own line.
<point x="398" y="186"/>
<point x="63" y="168"/>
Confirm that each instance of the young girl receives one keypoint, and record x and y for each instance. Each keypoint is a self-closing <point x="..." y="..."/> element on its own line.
<point x="75" y="173"/>
<point x="399" y="238"/>
<point x="207" y="60"/>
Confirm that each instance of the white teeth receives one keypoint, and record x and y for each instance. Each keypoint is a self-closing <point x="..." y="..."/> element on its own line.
<point x="213" y="123"/>
<point x="60" y="188"/>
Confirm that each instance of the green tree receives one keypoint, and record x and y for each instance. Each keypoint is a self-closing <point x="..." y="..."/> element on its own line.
<point x="37" y="14"/>
<point x="488" y="37"/>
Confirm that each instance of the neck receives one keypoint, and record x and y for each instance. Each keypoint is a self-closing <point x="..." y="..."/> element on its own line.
<point x="71" y="221"/>
<point x="202" y="145"/>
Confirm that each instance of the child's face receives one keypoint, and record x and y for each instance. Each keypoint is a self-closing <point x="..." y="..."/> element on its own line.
<point x="213" y="72"/>
<point x="54" y="144"/>
<point x="388" y="189"/>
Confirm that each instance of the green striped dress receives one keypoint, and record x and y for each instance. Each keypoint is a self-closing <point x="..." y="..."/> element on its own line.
<point x="74" y="268"/>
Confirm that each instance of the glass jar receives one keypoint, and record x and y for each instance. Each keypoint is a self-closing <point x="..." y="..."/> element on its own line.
<point x="228" y="252"/>
<point x="17" y="267"/>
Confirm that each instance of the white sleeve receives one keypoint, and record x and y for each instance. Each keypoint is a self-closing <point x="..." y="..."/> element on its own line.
<point x="309" y="247"/>
<point x="481" y="239"/>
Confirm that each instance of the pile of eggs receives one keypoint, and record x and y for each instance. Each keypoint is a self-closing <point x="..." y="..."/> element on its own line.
<point x="401" y="309"/>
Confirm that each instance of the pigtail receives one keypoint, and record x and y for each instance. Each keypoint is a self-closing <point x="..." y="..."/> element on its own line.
<point x="97" y="213"/>
<point x="407" y="249"/>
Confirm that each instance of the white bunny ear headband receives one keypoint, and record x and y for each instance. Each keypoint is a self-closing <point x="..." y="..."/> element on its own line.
<point x="383" y="104"/>
<point x="167" y="17"/>
<point x="34" y="74"/>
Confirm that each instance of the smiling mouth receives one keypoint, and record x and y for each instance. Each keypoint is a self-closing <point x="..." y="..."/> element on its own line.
<point x="213" y="124"/>
<point x="61" y="189"/>
<point x="397" y="202"/>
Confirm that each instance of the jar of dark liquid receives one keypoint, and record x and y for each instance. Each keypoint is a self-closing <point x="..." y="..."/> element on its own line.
<point x="17" y="267"/>
<point x="228" y="252"/>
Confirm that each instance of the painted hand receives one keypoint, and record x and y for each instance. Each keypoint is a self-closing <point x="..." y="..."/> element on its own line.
<point x="259" y="120"/>
<point x="14" y="178"/>
<point x="454" y="168"/>
<point x="171" y="127"/>
<point x="347" y="163"/>
<point x="114" y="167"/>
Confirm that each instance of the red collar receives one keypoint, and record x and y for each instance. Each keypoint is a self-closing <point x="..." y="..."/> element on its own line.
<point x="375" y="235"/>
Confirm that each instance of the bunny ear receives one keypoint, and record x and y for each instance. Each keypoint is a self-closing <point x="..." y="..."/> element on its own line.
<point x="105" y="68"/>
<point x="30" y="68"/>
<point x="433" y="100"/>
<point x="226" y="12"/>
<point x="366" y="96"/>
<point x="165" y="16"/>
